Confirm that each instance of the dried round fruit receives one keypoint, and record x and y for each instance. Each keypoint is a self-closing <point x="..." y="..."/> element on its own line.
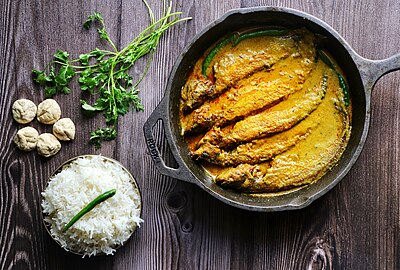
<point x="64" y="129"/>
<point x="48" y="111"/>
<point x="24" y="110"/>
<point x="48" y="145"/>
<point x="26" y="138"/>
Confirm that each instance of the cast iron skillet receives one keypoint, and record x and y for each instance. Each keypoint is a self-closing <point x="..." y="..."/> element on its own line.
<point x="361" y="73"/>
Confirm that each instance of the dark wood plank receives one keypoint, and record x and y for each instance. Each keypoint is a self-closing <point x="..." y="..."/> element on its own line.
<point x="354" y="226"/>
<point x="9" y="165"/>
<point x="42" y="27"/>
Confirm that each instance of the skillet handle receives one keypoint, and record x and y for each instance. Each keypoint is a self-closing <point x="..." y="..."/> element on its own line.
<point x="372" y="70"/>
<point x="181" y="173"/>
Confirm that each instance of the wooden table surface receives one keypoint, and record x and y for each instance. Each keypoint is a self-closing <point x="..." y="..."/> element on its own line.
<point x="354" y="226"/>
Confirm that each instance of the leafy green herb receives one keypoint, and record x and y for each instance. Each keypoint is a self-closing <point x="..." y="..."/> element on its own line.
<point x="92" y="18"/>
<point x="56" y="81"/>
<point x="102" y="134"/>
<point x="105" y="73"/>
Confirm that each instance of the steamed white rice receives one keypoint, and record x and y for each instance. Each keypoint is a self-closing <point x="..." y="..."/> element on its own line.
<point x="105" y="227"/>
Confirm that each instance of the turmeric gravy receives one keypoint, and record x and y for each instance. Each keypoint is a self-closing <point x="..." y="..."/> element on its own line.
<point x="265" y="111"/>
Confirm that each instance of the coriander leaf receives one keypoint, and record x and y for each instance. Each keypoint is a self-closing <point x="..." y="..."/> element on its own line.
<point x="84" y="59"/>
<point x="111" y="115"/>
<point x="52" y="74"/>
<point x="102" y="134"/>
<point x="102" y="103"/>
<point x="40" y="77"/>
<point x="87" y="107"/>
<point x="102" y="33"/>
<point x="87" y="82"/>
<point x="50" y="91"/>
<point x="101" y="77"/>
<point x="98" y="54"/>
<point x="64" y="75"/>
<point x="61" y="56"/>
<point x="69" y="72"/>
<point x="92" y="18"/>
<point x="65" y="90"/>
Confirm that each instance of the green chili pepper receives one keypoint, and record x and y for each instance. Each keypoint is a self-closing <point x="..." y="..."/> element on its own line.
<point x="99" y="199"/>
<point x="235" y="39"/>
<point x="342" y="82"/>
<point x="322" y="55"/>
<point x="266" y="32"/>
<point x="213" y="52"/>
<point x="345" y="89"/>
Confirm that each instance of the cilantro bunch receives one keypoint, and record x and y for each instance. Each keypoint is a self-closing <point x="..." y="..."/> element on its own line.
<point x="105" y="73"/>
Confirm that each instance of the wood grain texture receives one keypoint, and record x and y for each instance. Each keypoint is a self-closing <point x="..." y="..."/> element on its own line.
<point x="354" y="226"/>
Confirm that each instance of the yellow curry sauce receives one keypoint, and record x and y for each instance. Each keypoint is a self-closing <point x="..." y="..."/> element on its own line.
<point x="267" y="114"/>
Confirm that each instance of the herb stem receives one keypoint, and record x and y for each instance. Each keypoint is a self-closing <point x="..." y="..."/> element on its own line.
<point x="145" y="71"/>
<point x="73" y="66"/>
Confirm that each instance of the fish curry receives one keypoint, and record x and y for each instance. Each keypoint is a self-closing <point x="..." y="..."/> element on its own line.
<point x="266" y="110"/>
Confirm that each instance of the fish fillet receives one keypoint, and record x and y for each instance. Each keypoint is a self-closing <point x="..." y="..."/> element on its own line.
<point x="261" y="90"/>
<point x="307" y="160"/>
<point x="232" y="64"/>
<point x="276" y="119"/>
<point x="257" y="151"/>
